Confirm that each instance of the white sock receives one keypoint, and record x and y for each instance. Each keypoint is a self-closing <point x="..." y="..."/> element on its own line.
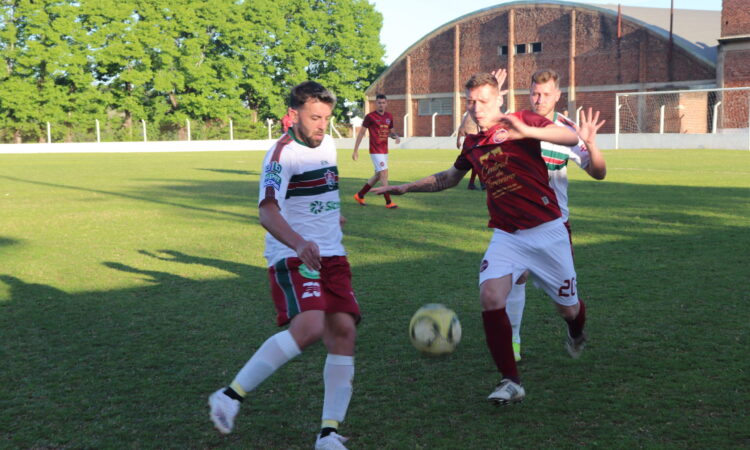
<point x="337" y="377"/>
<point x="274" y="353"/>
<point x="514" y="308"/>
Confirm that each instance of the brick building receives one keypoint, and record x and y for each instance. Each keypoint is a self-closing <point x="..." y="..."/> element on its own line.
<point x="597" y="50"/>
<point x="733" y="64"/>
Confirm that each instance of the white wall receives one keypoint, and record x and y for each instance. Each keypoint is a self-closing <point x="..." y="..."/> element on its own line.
<point x="734" y="141"/>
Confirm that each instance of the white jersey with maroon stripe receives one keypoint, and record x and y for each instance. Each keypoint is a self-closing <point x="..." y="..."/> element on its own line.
<point x="556" y="157"/>
<point x="304" y="182"/>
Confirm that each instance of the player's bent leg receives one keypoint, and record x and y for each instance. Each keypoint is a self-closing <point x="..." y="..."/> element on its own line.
<point x="276" y="351"/>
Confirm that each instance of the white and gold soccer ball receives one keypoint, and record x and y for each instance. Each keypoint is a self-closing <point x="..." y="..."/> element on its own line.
<point x="434" y="329"/>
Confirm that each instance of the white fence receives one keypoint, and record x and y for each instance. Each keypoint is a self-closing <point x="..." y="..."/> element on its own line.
<point x="727" y="141"/>
<point x="696" y="118"/>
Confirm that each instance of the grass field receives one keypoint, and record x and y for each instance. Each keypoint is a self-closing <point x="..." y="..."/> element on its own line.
<point x="133" y="285"/>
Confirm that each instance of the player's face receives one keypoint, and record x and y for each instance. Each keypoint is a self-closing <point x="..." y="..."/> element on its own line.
<point x="380" y="105"/>
<point x="310" y="121"/>
<point x="543" y="98"/>
<point x="483" y="104"/>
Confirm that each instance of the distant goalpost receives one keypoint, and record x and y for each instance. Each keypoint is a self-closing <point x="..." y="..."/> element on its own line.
<point x="720" y="112"/>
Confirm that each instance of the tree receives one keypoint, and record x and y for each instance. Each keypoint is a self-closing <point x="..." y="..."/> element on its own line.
<point x="168" y="61"/>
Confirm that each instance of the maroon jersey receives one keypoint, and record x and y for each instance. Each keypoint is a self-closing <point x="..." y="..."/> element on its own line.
<point x="379" y="127"/>
<point x="518" y="192"/>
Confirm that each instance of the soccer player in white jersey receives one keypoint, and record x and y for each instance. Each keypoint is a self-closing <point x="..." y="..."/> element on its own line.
<point x="310" y="277"/>
<point x="543" y="97"/>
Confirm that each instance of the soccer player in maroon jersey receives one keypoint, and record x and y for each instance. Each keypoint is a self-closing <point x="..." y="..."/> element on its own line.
<point x="380" y="125"/>
<point x="528" y="231"/>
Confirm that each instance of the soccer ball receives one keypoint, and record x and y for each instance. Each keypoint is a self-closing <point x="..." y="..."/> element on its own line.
<point x="435" y="329"/>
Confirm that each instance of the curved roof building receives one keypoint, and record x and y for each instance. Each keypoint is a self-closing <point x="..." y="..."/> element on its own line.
<point x="597" y="50"/>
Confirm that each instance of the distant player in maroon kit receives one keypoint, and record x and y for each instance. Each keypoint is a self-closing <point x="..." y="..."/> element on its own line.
<point x="529" y="233"/>
<point x="380" y="125"/>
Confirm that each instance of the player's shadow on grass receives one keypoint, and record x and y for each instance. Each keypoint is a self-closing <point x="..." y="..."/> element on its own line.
<point x="190" y="192"/>
<point x="6" y="241"/>
<point x="232" y="172"/>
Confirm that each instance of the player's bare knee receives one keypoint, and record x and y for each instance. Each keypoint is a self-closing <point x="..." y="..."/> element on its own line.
<point x="568" y="312"/>
<point x="339" y="339"/>
<point x="491" y="299"/>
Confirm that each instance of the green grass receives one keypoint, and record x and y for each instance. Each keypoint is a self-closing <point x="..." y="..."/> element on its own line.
<point x="133" y="285"/>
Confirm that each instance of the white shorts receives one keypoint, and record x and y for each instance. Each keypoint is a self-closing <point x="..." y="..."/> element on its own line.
<point x="380" y="161"/>
<point x="543" y="250"/>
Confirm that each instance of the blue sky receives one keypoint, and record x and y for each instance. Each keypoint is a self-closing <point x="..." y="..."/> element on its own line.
<point x="406" y="21"/>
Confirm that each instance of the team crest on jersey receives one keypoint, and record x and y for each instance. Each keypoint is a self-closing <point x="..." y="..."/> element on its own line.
<point x="330" y="179"/>
<point x="271" y="176"/>
<point x="388" y="121"/>
<point x="500" y="136"/>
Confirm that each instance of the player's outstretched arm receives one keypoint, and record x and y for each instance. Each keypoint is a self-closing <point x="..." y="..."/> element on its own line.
<point x="518" y="129"/>
<point x="272" y="220"/>
<point x="590" y="125"/>
<point x="433" y="183"/>
<point x="360" y="135"/>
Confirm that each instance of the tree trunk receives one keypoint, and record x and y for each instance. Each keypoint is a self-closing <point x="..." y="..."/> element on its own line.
<point x="17" y="139"/>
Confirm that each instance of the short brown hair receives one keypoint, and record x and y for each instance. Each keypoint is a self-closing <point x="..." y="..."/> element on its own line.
<point x="309" y="89"/>
<point x="481" y="79"/>
<point x="544" y="76"/>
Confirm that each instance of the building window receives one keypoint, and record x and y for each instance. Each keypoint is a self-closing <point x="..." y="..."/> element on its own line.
<point x="520" y="49"/>
<point x="536" y="47"/>
<point x="430" y="106"/>
<point x="503" y="50"/>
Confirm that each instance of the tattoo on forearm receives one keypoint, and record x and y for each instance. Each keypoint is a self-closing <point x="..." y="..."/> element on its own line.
<point x="433" y="183"/>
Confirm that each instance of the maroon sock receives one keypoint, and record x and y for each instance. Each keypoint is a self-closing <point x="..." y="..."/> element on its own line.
<point x="499" y="336"/>
<point x="387" y="199"/>
<point x="575" y="326"/>
<point x="473" y="176"/>
<point x="365" y="189"/>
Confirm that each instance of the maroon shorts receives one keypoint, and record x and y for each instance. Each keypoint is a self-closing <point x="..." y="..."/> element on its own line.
<point x="295" y="288"/>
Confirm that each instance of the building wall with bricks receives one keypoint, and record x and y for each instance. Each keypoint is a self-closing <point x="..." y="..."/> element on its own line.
<point x="596" y="54"/>
<point x="734" y="62"/>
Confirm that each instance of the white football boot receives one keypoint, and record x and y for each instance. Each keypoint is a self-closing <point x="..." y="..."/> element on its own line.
<point x="507" y="392"/>
<point x="223" y="411"/>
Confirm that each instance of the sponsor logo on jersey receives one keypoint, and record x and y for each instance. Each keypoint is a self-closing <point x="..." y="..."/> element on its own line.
<point x="318" y="207"/>
<point x="271" y="175"/>
<point x="308" y="273"/>
<point x="500" y="136"/>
